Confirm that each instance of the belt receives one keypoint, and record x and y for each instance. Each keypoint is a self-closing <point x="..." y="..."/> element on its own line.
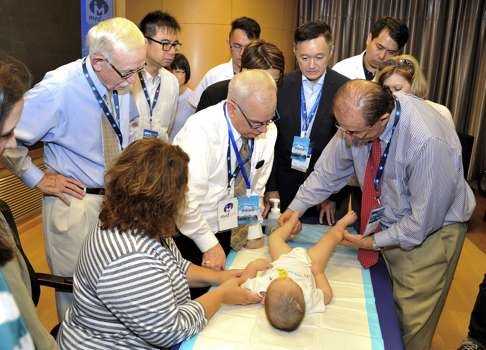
<point x="99" y="191"/>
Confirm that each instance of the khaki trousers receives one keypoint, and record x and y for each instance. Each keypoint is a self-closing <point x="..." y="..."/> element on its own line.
<point x="65" y="228"/>
<point x="421" y="279"/>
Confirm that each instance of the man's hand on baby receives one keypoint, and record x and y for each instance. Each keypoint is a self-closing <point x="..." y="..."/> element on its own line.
<point x="234" y="294"/>
<point x="291" y="219"/>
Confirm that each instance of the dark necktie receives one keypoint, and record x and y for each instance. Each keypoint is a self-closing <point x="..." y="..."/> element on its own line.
<point x="368" y="258"/>
<point x="239" y="235"/>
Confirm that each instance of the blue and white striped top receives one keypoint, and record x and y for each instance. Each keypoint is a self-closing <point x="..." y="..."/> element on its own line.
<point x="423" y="185"/>
<point x="13" y="333"/>
<point x="130" y="291"/>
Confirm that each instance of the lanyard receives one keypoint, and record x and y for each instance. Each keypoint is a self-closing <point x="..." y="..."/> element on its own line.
<point x="106" y="111"/>
<point x="381" y="166"/>
<point x="306" y="120"/>
<point x="241" y="163"/>
<point x="147" y="97"/>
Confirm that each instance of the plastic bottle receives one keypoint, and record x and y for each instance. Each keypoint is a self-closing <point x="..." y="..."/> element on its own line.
<point x="273" y="215"/>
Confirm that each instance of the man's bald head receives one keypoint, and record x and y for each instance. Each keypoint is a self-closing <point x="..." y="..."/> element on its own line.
<point x="254" y="83"/>
<point x="368" y="98"/>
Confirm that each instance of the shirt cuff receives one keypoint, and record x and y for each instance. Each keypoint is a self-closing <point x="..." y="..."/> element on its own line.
<point x="298" y="205"/>
<point x="32" y="176"/>
<point x="386" y="238"/>
<point x="205" y="242"/>
<point x="255" y="231"/>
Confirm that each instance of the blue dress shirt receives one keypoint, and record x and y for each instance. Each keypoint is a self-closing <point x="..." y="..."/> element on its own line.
<point x="62" y="112"/>
<point x="423" y="185"/>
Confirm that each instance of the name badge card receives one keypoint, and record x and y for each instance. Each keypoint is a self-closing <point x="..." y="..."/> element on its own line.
<point x="150" y="134"/>
<point x="227" y="214"/>
<point x="374" y="220"/>
<point x="248" y="210"/>
<point x="301" y="153"/>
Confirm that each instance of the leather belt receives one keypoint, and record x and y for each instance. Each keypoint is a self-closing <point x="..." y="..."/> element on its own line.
<point x="98" y="191"/>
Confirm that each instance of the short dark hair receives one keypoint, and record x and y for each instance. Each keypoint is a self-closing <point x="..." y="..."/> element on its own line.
<point x="263" y="55"/>
<point x="158" y="19"/>
<point x="15" y="80"/>
<point x="372" y="99"/>
<point x="398" y="30"/>
<point x="312" y="30"/>
<point x="248" y="25"/>
<point x="180" y="62"/>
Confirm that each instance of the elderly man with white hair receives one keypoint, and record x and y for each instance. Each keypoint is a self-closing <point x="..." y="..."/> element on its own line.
<point x="81" y="112"/>
<point x="230" y="146"/>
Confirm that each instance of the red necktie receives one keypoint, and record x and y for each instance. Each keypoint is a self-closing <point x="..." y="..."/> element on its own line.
<point x="368" y="258"/>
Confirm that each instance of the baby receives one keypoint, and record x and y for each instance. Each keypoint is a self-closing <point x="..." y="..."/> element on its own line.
<point x="295" y="281"/>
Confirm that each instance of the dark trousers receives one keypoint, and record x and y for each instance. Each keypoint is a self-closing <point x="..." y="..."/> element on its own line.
<point x="477" y="324"/>
<point x="191" y="252"/>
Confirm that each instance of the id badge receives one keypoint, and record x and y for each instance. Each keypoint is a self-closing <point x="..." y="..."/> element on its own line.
<point x="248" y="209"/>
<point x="227" y="214"/>
<point x="150" y="134"/>
<point x="374" y="220"/>
<point x="301" y="153"/>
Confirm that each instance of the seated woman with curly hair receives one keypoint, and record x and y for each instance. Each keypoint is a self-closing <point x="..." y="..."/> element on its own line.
<point x="131" y="285"/>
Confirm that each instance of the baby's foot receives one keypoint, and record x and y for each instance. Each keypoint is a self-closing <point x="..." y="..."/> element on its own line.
<point x="347" y="220"/>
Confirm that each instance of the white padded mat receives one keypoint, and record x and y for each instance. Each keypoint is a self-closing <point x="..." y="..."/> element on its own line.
<point x="349" y="322"/>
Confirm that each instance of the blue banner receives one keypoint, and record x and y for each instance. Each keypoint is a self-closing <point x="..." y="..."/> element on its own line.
<point x="93" y="12"/>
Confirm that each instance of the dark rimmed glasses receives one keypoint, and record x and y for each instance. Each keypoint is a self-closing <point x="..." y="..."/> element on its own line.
<point x="166" y="44"/>
<point x="127" y="74"/>
<point x="256" y="125"/>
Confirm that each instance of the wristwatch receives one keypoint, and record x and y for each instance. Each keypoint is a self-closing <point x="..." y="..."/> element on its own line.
<point x="373" y="242"/>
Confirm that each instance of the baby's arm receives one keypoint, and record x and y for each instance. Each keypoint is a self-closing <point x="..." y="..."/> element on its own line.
<point x="322" y="283"/>
<point x="253" y="267"/>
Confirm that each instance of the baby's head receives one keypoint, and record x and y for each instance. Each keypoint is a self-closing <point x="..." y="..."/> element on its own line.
<point x="284" y="304"/>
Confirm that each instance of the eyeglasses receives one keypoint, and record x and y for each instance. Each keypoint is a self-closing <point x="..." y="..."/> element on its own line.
<point x="253" y="124"/>
<point x="401" y="63"/>
<point x="352" y="132"/>
<point x="237" y="47"/>
<point x="127" y="74"/>
<point x="166" y="44"/>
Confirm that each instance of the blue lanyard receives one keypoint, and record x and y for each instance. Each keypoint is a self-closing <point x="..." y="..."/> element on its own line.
<point x="306" y="120"/>
<point x="381" y="166"/>
<point x="147" y="97"/>
<point x="241" y="163"/>
<point x="106" y="111"/>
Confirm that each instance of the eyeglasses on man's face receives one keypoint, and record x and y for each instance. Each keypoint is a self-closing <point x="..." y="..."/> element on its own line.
<point x="254" y="124"/>
<point x="353" y="132"/>
<point x="167" y="44"/>
<point x="127" y="74"/>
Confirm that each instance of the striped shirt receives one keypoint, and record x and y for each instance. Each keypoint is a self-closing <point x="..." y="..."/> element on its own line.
<point x="423" y="186"/>
<point x="130" y="291"/>
<point x="13" y="333"/>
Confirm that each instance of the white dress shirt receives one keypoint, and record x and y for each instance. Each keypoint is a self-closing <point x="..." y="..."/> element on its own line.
<point x="351" y="67"/>
<point x="204" y="138"/>
<point x="165" y="110"/>
<point x="444" y="112"/>
<point x="221" y="72"/>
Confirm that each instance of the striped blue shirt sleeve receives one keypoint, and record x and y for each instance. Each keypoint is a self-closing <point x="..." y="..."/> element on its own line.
<point x="137" y="289"/>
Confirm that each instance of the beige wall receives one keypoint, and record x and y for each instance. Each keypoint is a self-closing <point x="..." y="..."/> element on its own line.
<point x="205" y="26"/>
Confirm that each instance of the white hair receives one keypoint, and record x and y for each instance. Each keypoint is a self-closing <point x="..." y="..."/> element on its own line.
<point x="256" y="83"/>
<point x="114" y="35"/>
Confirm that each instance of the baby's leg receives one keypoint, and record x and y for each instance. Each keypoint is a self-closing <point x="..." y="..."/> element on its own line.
<point x="277" y="242"/>
<point x="321" y="252"/>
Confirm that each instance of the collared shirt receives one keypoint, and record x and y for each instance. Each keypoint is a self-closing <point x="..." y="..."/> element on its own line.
<point x="351" y="67"/>
<point x="62" y="112"/>
<point x="184" y="111"/>
<point x="312" y="90"/>
<point x="219" y="73"/>
<point x="164" y="113"/>
<point x="204" y="138"/>
<point x="423" y="185"/>
<point x="368" y="75"/>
